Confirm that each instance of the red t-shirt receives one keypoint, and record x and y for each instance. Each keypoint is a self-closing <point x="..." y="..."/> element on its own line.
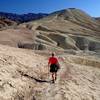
<point x="53" y="60"/>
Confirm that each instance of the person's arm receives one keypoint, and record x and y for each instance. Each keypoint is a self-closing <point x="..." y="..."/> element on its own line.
<point x="58" y="64"/>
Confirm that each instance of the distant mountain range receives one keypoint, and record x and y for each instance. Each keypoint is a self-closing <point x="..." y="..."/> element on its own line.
<point x="23" y="17"/>
<point x="20" y="18"/>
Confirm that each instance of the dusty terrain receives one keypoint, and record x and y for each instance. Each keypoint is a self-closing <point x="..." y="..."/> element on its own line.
<point x="24" y="76"/>
<point x="13" y="37"/>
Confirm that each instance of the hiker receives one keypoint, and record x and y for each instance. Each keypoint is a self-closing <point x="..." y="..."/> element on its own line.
<point x="53" y="66"/>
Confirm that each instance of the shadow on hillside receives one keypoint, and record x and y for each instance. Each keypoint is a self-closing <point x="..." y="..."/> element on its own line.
<point x="36" y="79"/>
<point x="41" y="81"/>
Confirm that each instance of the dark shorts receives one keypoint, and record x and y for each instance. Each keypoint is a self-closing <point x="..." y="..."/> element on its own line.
<point x="53" y="68"/>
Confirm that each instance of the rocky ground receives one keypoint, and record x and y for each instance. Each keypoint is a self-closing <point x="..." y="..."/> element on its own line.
<point x="24" y="76"/>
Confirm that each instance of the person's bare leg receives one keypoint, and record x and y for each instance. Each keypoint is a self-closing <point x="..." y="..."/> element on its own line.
<point x="53" y="78"/>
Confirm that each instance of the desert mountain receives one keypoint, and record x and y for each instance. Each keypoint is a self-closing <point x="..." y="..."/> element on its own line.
<point x="20" y="18"/>
<point x="69" y="29"/>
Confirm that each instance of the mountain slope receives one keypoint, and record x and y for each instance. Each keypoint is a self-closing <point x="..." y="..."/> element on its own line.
<point x="78" y="16"/>
<point x="24" y="76"/>
<point x="70" y="28"/>
<point x="4" y="23"/>
<point x="14" y="37"/>
<point x="98" y="19"/>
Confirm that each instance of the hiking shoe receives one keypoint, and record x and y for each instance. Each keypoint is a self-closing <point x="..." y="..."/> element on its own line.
<point x="53" y="81"/>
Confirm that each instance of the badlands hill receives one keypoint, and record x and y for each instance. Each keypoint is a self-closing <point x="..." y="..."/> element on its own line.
<point x="64" y="30"/>
<point x="24" y="76"/>
<point x="68" y="29"/>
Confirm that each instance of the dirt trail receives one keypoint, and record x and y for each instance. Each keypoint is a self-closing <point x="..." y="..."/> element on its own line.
<point x="55" y="91"/>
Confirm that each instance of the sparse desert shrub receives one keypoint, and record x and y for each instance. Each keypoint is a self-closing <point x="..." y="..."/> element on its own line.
<point x="41" y="47"/>
<point x="20" y="45"/>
